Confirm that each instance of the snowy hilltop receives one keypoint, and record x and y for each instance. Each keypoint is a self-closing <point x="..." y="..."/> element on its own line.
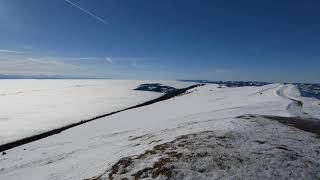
<point x="208" y="132"/>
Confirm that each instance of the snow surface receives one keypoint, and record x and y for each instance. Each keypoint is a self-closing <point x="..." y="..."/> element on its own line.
<point x="311" y="105"/>
<point x="245" y="153"/>
<point x="30" y="107"/>
<point x="91" y="149"/>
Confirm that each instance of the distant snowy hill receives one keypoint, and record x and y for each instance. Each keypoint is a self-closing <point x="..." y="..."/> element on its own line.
<point x="309" y="90"/>
<point x="230" y="83"/>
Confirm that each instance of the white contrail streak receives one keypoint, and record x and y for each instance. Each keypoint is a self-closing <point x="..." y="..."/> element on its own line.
<point x="86" y="11"/>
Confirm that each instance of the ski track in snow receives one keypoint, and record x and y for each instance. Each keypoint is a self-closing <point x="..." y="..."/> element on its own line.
<point x="93" y="148"/>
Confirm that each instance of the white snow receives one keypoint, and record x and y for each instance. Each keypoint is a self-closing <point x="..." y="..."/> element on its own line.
<point x="251" y="151"/>
<point x="29" y="107"/>
<point x="311" y="106"/>
<point x="90" y="149"/>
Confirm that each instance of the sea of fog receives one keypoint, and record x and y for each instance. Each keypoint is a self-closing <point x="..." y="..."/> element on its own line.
<point x="29" y="107"/>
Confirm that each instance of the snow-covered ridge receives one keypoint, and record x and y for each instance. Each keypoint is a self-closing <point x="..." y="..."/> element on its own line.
<point x="92" y="149"/>
<point x="310" y="105"/>
<point x="168" y="94"/>
<point x="30" y="107"/>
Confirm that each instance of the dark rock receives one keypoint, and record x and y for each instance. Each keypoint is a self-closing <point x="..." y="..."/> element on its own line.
<point x="155" y="87"/>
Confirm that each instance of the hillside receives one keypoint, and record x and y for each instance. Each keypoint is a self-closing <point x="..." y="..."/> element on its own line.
<point x="207" y="133"/>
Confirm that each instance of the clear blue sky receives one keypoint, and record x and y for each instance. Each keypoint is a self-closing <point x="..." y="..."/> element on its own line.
<point x="264" y="40"/>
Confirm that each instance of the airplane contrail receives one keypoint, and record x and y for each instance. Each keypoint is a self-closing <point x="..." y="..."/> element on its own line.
<point x="87" y="12"/>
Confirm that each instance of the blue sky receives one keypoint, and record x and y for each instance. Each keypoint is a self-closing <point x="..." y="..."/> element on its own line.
<point x="263" y="40"/>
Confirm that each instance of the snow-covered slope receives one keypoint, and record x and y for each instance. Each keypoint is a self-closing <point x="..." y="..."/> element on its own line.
<point x="310" y="105"/>
<point x="91" y="149"/>
<point x="29" y="107"/>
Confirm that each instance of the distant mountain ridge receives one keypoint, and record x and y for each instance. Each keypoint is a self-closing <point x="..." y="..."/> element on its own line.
<point x="306" y="89"/>
<point x="231" y="83"/>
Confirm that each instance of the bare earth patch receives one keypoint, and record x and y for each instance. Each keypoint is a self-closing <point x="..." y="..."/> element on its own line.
<point x="260" y="153"/>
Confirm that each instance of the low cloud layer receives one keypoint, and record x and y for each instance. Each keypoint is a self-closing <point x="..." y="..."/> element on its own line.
<point x="18" y="63"/>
